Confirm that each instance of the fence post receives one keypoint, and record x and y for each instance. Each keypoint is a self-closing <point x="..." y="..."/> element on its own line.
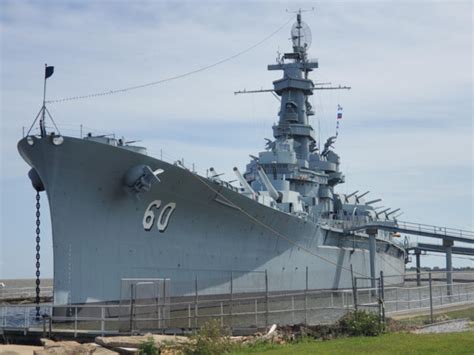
<point x="256" y="313"/>
<point x="408" y="298"/>
<point x="352" y="283"/>
<point x="222" y="314"/>
<point x="378" y="299"/>
<point x="354" y="293"/>
<point x="292" y="309"/>
<point x="189" y="315"/>
<point x="441" y="294"/>
<point x="102" y="320"/>
<point x="266" y="299"/>
<point x="396" y="298"/>
<point x="159" y="316"/>
<point x="419" y="297"/>
<point x="418" y="267"/>
<point x="162" y="313"/>
<point x="196" y="302"/>
<point x="25" y="325"/>
<point x="131" y="307"/>
<point x="231" y="300"/>
<point x="75" y="322"/>
<point x="306" y="299"/>
<point x="382" y="295"/>
<point x="44" y="327"/>
<point x="431" y="298"/>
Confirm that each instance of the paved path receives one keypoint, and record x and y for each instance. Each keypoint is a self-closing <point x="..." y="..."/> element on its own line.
<point x="426" y="312"/>
<point x="458" y="325"/>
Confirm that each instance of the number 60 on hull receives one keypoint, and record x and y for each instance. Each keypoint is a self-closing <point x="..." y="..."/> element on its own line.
<point x="163" y="217"/>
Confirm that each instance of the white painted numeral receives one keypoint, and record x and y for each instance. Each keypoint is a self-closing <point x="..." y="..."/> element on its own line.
<point x="163" y="218"/>
<point x="149" y="217"/>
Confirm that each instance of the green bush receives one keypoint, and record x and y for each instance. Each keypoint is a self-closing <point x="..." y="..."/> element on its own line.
<point x="148" y="347"/>
<point x="211" y="339"/>
<point x="361" y="323"/>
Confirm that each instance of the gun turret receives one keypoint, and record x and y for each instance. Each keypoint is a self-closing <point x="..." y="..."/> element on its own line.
<point x="244" y="183"/>
<point x="277" y="196"/>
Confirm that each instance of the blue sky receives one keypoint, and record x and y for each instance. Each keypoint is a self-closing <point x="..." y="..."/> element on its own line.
<point x="406" y="134"/>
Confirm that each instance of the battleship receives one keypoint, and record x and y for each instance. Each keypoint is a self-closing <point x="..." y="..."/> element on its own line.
<point x="118" y="213"/>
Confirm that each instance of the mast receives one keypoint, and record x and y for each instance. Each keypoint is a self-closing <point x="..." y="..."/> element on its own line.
<point x="294" y="89"/>
<point x="48" y="71"/>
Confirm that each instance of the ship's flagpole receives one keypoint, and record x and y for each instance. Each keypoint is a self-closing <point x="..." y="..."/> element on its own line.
<point x="48" y="71"/>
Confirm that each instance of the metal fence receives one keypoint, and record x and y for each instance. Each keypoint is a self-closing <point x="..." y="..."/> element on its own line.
<point x="151" y="309"/>
<point x="257" y="311"/>
<point x="147" y="304"/>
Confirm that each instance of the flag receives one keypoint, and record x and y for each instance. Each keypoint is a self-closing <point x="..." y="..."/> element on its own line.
<point x="48" y="71"/>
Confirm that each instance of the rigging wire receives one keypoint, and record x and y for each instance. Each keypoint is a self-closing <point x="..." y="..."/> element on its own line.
<point x="179" y="76"/>
<point x="271" y="229"/>
<point x="231" y="203"/>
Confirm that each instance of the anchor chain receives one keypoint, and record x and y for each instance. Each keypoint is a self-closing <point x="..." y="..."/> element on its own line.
<point x="38" y="222"/>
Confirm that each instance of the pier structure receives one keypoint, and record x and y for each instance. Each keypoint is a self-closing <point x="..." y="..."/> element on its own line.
<point x="447" y="235"/>
<point x="447" y="248"/>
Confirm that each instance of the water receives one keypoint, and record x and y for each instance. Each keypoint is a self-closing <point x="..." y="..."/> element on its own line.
<point x="20" y="289"/>
<point x="22" y="316"/>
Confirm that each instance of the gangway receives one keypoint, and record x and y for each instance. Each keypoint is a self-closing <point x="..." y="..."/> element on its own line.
<point x="437" y="248"/>
<point x="424" y="230"/>
<point x="448" y="235"/>
<point x="418" y="248"/>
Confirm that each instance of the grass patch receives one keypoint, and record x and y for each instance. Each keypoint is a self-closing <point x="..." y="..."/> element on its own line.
<point x="393" y="343"/>
<point x="148" y="347"/>
<point x="211" y="339"/>
<point x="361" y="323"/>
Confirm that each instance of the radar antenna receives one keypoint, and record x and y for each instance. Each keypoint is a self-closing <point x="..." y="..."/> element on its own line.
<point x="300" y="32"/>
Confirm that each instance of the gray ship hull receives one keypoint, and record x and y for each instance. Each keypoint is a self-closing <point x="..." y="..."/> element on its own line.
<point x="213" y="233"/>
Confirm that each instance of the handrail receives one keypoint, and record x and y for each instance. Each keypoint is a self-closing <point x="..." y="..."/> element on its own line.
<point x="410" y="299"/>
<point x="409" y="226"/>
<point x="436" y="229"/>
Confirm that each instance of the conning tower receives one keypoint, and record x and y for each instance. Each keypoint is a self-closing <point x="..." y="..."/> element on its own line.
<point x="292" y="174"/>
<point x="294" y="89"/>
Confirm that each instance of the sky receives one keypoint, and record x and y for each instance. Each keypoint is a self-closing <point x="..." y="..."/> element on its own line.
<point x="406" y="134"/>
